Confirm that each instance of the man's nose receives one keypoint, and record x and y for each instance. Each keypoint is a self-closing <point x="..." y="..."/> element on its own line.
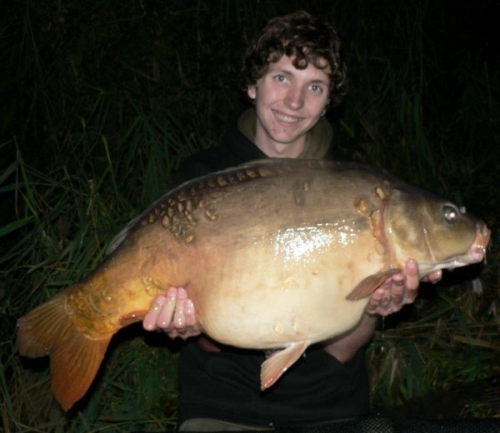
<point x="295" y="97"/>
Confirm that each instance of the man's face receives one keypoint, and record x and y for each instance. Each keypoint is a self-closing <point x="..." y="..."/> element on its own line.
<point x="288" y="102"/>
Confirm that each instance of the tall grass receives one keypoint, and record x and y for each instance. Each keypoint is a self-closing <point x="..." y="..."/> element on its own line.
<point x="109" y="98"/>
<point x="66" y="222"/>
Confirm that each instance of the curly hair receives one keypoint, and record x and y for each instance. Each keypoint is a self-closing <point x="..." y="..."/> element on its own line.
<point x="306" y="38"/>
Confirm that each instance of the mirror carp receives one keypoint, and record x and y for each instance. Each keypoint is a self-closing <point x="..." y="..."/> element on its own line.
<point x="275" y="254"/>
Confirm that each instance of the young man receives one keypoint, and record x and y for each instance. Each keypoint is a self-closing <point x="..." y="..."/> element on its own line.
<point x="292" y="73"/>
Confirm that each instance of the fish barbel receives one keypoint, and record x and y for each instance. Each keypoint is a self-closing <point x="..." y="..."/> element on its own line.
<point x="276" y="254"/>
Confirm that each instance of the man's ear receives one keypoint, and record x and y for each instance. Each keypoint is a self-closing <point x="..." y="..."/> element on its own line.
<point x="252" y="91"/>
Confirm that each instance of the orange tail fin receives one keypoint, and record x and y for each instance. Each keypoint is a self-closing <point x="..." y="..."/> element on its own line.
<point x="74" y="357"/>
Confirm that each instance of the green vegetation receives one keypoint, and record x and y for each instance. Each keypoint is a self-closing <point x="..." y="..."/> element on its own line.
<point x="103" y="99"/>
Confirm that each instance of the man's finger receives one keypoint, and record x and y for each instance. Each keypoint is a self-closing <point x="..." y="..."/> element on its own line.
<point x="149" y="321"/>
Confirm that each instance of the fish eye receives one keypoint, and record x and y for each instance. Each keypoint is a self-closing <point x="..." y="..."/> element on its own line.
<point x="451" y="212"/>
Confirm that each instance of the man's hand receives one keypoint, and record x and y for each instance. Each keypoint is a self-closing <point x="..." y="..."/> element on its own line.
<point x="173" y="314"/>
<point x="390" y="297"/>
<point x="399" y="290"/>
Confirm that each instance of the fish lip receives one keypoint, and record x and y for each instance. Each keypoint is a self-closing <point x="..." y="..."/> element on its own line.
<point x="475" y="254"/>
<point x="477" y="251"/>
<point x="481" y="242"/>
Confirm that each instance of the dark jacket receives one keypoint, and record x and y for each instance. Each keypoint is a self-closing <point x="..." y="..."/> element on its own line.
<point x="226" y="385"/>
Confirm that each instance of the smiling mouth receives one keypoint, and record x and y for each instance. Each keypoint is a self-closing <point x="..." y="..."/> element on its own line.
<point x="287" y="119"/>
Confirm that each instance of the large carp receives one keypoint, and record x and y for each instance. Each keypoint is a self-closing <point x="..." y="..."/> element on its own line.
<point x="278" y="254"/>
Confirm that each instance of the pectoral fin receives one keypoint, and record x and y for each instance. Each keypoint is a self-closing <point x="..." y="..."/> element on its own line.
<point x="369" y="284"/>
<point x="279" y="362"/>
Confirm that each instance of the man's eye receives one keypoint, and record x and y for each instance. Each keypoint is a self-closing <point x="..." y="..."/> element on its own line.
<point x="280" y="78"/>
<point x="317" y="88"/>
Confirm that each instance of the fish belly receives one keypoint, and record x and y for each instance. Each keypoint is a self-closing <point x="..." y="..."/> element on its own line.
<point x="262" y="298"/>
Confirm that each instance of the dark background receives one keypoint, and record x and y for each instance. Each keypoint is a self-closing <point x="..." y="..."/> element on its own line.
<point x="100" y="100"/>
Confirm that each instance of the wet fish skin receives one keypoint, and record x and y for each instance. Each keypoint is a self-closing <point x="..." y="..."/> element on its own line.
<point x="275" y="254"/>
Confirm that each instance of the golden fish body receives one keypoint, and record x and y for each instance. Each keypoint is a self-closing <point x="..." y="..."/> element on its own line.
<point x="275" y="255"/>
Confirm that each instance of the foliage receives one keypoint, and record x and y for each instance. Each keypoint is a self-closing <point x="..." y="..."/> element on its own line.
<point x="103" y="101"/>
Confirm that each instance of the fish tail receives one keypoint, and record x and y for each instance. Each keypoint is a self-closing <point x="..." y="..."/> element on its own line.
<point x="74" y="357"/>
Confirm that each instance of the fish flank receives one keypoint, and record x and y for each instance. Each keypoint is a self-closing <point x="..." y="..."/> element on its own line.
<point x="193" y="191"/>
<point x="176" y="212"/>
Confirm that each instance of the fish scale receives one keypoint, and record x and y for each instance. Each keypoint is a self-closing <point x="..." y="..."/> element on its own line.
<point x="275" y="255"/>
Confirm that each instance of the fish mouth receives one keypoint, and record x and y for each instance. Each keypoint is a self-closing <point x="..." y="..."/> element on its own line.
<point x="475" y="254"/>
<point x="477" y="251"/>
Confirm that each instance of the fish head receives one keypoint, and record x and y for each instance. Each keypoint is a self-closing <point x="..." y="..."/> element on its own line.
<point x="432" y="230"/>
